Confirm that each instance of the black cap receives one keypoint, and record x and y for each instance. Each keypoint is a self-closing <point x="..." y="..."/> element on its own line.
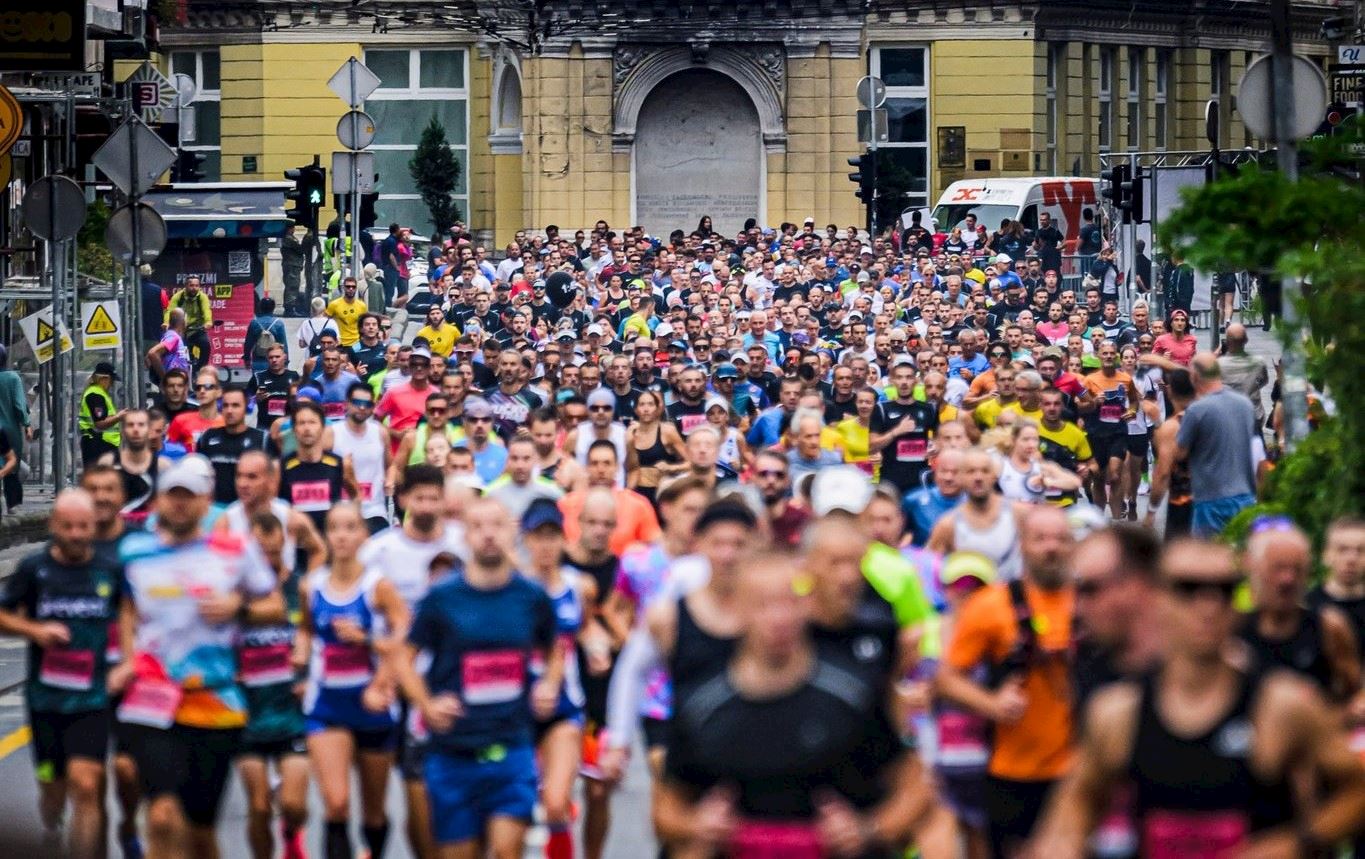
<point x="725" y="510"/>
<point x="105" y="368"/>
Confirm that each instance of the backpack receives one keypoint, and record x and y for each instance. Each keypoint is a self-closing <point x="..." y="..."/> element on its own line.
<point x="265" y="341"/>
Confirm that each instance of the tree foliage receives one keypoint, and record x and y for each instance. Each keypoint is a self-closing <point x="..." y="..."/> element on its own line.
<point x="436" y="174"/>
<point x="1312" y="230"/>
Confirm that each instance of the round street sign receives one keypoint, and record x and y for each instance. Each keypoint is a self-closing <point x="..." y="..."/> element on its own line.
<point x="1306" y="107"/>
<point x="355" y="130"/>
<point x="871" y="92"/>
<point x="118" y="235"/>
<point x="54" y="208"/>
<point x="11" y="120"/>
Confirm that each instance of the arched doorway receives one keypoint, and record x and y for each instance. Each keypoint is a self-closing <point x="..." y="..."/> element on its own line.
<point x="698" y="151"/>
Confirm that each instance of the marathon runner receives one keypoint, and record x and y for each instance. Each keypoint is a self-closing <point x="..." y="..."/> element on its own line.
<point x="364" y="443"/>
<point x="314" y="478"/>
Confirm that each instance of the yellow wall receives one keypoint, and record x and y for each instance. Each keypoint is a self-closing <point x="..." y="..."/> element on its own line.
<point x="997" y="121"/>
<point x="810" y="178"/>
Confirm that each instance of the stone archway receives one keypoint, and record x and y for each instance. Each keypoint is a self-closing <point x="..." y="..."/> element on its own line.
<point x="698" y="151"/>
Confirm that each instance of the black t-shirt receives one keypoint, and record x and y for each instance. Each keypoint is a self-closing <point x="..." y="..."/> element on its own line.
<point x="625" y="405"/>
<point x="1354" y="610"/>
<point x="687" y="417"/>
<point x="371" y="356"/>
<point x="906" y="458"/>
<point x="223" y="450"/>
<point x="1090" y="240"/>
<point x="780" y="754"/>
<point x="836" y="411"/>
<point x="276" y="403"/>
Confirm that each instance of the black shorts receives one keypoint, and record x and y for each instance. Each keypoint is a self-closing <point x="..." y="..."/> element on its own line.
<point x="1137" y="445"/>
<point x="1179" y="520"/>
<point x="412" y="757"/>
<point x="273" y="750"/>
<point x="193" y="764"/>
<point x="59" y="737"/>
<point x="543" y="728"/>
<point x="1108" y="446"/>
<point x="656" y="733"/>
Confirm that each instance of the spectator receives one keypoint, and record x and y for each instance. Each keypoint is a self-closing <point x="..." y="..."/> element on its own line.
<point x="1216" y="437"/>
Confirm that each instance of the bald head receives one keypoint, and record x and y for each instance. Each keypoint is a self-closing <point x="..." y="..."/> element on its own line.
<point x="1205" y="371"/>
<point x="72" y="525"/>
<point x="1046" y="544"/>
<point x="1278" y="560"/>
<point x="73" y="502"/>
<point x="1236" y="337"/>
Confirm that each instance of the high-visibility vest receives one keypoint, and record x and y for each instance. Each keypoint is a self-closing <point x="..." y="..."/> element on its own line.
<point x="86" y="420"/>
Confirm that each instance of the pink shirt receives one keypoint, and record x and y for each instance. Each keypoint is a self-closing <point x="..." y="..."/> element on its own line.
<point x="403" y="405"/>
<point x="1179" y="349"/>
<point x="1053" y="331"/>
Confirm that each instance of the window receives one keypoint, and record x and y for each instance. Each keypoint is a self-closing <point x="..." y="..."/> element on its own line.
<point x="1135" y="70"/>
<point x="204" y="134"/>
<point x="1106" y="112"/>
<point x="1218" y="88"/>
<point x="1160" y="117"/>
<point x="416" y="86"/>
<point x="904" y="70"/>
<point x="1056" y="75"/>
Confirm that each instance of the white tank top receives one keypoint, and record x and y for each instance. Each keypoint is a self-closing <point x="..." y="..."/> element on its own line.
<point x="729" y="450"/>
<point x="1018" y="485"/>
<point x="999" y="542"/>
<point x="367" y="460"/>
<point x="587" y="434"/>
<point x="240" y="524"/>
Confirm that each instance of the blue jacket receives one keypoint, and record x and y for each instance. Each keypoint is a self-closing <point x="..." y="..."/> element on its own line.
<point x="924" y="507"/>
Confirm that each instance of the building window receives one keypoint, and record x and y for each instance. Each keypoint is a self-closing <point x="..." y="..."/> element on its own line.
<point x="1248" y="141"/>
<point x="417" y="85"/>
<point x="905" y="71"/>
<point x="1056" y="68"/>
<point x="1106" y="112"/>
<point x="1135" y="82"/>
<point x="204" y="135"/>
<point x="1163" y="83"/>
<point x="1218" y="88"/>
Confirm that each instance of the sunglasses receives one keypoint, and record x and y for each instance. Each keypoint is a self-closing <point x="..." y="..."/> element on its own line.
<point x="206" y="387"/>
<point x="999" y="354"/>
<point x="363" y="404"/>
<point x="600" y="408"/>
<point x="478" y="420"/>
<point x="774" y="474"/>
<point x="436" y="410"/>
<point x="1263" y="524"/>
<point x="1189" y="589"/>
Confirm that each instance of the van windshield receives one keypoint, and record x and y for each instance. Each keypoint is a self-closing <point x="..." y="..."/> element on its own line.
<point x="948" y="216"/>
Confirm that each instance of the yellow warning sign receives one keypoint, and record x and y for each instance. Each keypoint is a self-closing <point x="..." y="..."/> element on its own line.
<point x="101" y="325"/>
<point x="44" y="333"/>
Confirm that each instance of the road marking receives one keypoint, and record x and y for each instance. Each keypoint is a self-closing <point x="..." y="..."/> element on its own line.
<point x="14" y="741"/>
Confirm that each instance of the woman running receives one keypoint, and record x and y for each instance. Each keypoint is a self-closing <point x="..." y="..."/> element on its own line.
<point x="657" y="446"/>
<point x="349" y="700"/>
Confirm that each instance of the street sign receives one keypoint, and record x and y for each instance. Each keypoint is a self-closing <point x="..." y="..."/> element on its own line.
<point x="115" y="157"/>
<point x="1351" y="55"/>
<point x="352" y="172"/>
<point x="11" y="120"/>
<point x="355" y="130"/>
<point x="353" y="82"/>
<point x="41" y="334"/>
<point x="186" y="91"/>
<point x="1306" y="107"/>
<point x="76" y="83"/>
<point x="151" y="233"/>
<point x="150" y="91"/>
<point x="54" y="208"/>
<point x="873" y="122"/>
<point x="871" y="92"/>
<point x="101" y="325"/>
<point x="1348" y="85"/>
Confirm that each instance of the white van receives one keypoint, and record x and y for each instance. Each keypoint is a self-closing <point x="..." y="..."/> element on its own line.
<point x="994" y="200"/>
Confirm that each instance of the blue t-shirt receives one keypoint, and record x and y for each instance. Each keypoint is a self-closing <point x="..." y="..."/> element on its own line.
<point x="481" y="643"/>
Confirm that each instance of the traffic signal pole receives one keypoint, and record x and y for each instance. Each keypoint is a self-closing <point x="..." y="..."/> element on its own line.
<point x="355" y="187"/>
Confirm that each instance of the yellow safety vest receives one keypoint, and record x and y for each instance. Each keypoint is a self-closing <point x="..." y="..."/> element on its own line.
<point x="87" y="420"/>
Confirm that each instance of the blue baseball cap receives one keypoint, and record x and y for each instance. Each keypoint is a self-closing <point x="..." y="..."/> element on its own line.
<point x="727" y="371"/>
<point x="542" y="512"/>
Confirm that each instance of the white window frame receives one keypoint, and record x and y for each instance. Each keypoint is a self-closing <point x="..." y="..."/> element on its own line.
<point x="1161" y="114"/>
<point x="204" y="94"/>
<point x="1135" y="60"/>
<point x="415" y="92"/>
<point x="921" y="92"/>
<point x="1105" y="132"/>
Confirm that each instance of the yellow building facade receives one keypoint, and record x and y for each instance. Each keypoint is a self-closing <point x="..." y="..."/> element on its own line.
<point x="660" y="125"/>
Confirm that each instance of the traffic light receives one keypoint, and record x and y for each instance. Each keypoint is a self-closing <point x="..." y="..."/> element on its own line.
<point x="188" y="167"/>
<point x="367" y="216"/>
<point x="305" y="198"/>
<point x="1131" y="188"/>
<point x="865" y="176"/>
<point x="1115" y="182"/>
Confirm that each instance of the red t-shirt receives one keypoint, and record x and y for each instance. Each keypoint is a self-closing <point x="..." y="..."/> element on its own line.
<point x="403" y="405"/>
<point x="185" y="429"/>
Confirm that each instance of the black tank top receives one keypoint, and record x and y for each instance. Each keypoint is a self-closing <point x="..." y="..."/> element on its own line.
<point x="1197" y="796"/>
<point x="138" y="490"/>
<point x="655" y="453"/>
<point x="697" y="654"/>
<point x="312" y="487"/>
<point x="1303" y="652"/>
<point x="1181" y="490"/>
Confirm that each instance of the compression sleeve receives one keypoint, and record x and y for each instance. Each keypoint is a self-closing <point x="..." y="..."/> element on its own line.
<point x="637" y="659"/>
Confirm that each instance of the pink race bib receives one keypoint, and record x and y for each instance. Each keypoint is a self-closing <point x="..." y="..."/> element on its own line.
<point x="1193" y="835"/>
<point x="1111" y="413"/>
<point x="346" y="665"/>
<point x="962" y="740"/>
<point x="334" y="411"/>
<point x="311" y="495"/>
<point x="912" y="449"/>
<point x="690" y="422"/>
<point x="67" y="669"/>
<point x="275" y="406"/>
<point x="755" y="839"/>
<point x="265" y="666"/>
<point x="493" y="676"/>
<point x="151" y="702"/>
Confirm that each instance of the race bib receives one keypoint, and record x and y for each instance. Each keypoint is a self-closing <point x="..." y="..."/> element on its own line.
<point x="265" y="666"/>
<point x="756" y="839"/>
<point x="151" y="702"/>
<point x="63" y="668"/>
<point x="912" y="449"/>
<point x="690" y="422"/>
<point x="275" y="406"/>
<point x="1116" y="835"/>
<point x="493" y="676"/>
<point x="1193" y="835"/>
<point x="867" y="466"/>
<point x="346" y="665"/>
<point x="113" y="653"/>
<point x="334" y="411"/>
<point x="417" y="726"/>
<point x="962" y="740"/>
<point x="1111" y="413"/>
<point x="311" y="495"/>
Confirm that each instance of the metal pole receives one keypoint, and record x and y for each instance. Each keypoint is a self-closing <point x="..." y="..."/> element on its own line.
<point x="1295" y="386"/>
<point x="355" y="179"/>
<point x="59" y="434"/>
<point x="135" y="279"/>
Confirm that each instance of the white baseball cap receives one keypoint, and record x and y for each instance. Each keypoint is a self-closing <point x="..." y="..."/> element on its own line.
<point x="192" y="473"/>
<point x="840" y="487"/>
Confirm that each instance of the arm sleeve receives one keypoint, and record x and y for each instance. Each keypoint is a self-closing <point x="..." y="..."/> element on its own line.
<point x="637" y="658"/>
<point x="208" y="309"/>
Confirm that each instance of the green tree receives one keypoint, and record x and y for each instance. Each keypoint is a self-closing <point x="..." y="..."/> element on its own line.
<point x="1311" y="230"/>
<point x="436" y="173"/>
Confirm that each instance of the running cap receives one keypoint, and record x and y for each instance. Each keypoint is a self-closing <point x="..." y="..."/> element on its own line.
<point x="541" y="512"/>
<point x="961" y="565"/>
<point x="725" y="510"/>
<point x="840" y="487"/>
<point x="192" y="473"/>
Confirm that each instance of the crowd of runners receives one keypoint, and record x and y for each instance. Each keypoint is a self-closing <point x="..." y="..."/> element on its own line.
<point x="841" y="535"/>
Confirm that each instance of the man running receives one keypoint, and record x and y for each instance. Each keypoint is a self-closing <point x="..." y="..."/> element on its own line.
<point x="63" y="599"/>
<point x="901" y="429"/>
<point x="257" y="477"/>
<point x="986" y="522"/>
<point x="1209" y="749"/>
<point x="1110" y="400"/>
<point x="364" y="442"/>
<point x="1171" y="476"/>
<point x="314" y="478"/>
<point x="224" y="445"/>
<point x="138" y="465"/>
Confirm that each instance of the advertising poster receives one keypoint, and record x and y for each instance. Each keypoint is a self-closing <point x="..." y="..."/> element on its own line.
<point x="229" y="270"/>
